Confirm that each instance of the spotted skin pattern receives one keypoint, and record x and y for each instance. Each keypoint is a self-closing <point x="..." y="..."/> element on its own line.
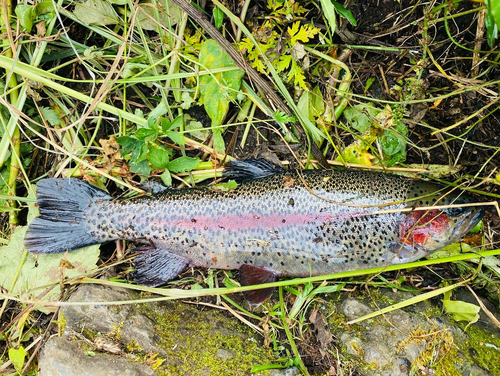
<point x="295" y="223"/>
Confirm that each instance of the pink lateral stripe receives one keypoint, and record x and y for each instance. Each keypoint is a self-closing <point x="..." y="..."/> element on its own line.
<point x="238" y="222"/>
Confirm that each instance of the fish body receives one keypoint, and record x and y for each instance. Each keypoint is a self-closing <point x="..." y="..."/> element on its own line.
<point x="286" y="222"/>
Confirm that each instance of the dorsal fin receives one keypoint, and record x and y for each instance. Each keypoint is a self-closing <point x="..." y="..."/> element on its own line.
<point x="250" y="169"/>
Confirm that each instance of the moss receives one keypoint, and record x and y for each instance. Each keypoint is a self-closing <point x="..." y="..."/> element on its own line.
<point x="440" y="353"/>
<point x="482" y="348"/>
<point x="204" y="342"/>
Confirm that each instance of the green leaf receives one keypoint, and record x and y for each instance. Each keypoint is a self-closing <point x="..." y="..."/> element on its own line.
<point x="50" y="115"/>
<point x="219" y="143"/>
<point x="140" y="168"/>
<point x="492" y="20"/>
<point x="461" y="311"/>
<point x="360" y="117"/>
<point x="183" y="164"/>
<point x="393" y="144"/>
<point x="329" y="12"/>
<point x="26" y="15"/>
<point x="224" y="187"/>
<point x="216" y="91"/>
<point x="347" y="14"/>
<point x="96" y="12"/>
<point x="176" y="137"/>
<point x="166" y="178"/>
<point x="147" y="15"/>
<point x="17" y="357"/>
<point x="218" y="17"/>
<point x="318" y="103"/>
<point x="305" y="106"/>
<point x="143" y="134"/>
<point x="158" y="156"/>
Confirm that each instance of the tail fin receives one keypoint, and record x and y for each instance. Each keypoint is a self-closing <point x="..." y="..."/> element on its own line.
<point x="62" y="224"/>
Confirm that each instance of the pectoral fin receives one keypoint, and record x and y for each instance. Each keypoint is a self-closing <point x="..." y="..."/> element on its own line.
<point x="252" y="275"/>
<point x="156" y="267"/>
<point x="405" y="252"/>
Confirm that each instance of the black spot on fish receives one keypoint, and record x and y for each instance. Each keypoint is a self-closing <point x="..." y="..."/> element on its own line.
<point x="193" y="220"/>
<point x="318" y="240"/>
<point x="291" y="202"/>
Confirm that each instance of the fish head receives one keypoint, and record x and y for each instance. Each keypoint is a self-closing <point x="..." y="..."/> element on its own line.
<point x="432" y="229"/>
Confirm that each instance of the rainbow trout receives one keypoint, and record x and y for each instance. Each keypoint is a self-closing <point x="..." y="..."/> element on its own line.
<point x="275" y="223"/>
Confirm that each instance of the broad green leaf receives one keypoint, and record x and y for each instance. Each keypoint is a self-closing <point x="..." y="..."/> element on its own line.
<point x="360" y="117"/>
<point x="318" y="103"/>
<point x="183" y="164"/>
<point x="96" y="12"/>
<point x="461" y="311"/>
<point x="147" y="15"/>
<point x="224" y="187"/>
<point x="196" y="130"/>
<point x="131" y="69"/>
<point x="43" y="270"/>
<point x="45" y="6"/>
<point x="17" y="357"/>
<point x="129" y="144"/>
<point x="305" y="105"/>
<point x="217" y="90"/>
<point x="143" y="134"/>
<point x="393" y="144"/>
<point x="329" y="12"/>
<point x="159" y="110"/>
<point x="176" y="137"/>
<point x="26" y="15"/>
<point x="158" y="156"/>
<point x="219" y="143"/>
<point x="166" y="178"/>
<point x="140" y="168"/>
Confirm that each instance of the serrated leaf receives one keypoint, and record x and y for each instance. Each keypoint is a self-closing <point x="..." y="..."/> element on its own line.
<point x="96" y="12"/>
<point x="50" y="115"/>
<point x="183" y="164"/>
<point x="40" y="271"/>
<point x="158" y="156"/>
<point x="216" y="91"/>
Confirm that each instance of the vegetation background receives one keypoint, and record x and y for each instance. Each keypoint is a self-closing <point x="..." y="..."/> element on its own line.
<point x="117" y="92"/>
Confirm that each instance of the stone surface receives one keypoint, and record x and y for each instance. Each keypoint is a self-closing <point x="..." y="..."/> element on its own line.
<point x="64" y="357"/>
<point x="415" y="340"/>
<point x="175" y="338"/>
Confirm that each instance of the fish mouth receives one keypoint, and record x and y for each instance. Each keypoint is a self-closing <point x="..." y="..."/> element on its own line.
<point x="465" y="224"/>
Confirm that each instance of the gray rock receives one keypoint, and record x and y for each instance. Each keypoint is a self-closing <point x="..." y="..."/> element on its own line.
<point x="63" y="357"/>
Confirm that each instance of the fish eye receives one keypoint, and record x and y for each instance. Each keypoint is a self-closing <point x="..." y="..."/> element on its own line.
<point x="454" y="211"/>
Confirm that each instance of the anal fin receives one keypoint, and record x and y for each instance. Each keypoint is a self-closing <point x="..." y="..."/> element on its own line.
<point x="155" y="267"/>
<point x="252" y="275"/>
